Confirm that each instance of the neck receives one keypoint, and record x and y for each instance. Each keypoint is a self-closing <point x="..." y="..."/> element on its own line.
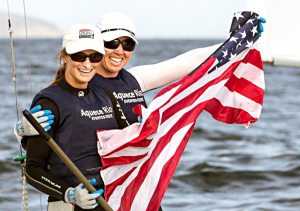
<point x="75" y="84"/>
<point x="107" y="74"/>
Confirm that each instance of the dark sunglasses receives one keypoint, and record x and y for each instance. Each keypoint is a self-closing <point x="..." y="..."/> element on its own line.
<point x="81" y="57"/>
<point x="127" y="45"/>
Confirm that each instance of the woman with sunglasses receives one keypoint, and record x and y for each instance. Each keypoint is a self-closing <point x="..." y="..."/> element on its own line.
<point x="79" y="111"/>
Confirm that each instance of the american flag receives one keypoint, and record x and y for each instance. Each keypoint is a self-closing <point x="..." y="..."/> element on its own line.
<point x="139" y="160"/>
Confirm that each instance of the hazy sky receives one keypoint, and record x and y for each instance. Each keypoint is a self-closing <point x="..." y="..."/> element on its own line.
<point x="153" y="18"/>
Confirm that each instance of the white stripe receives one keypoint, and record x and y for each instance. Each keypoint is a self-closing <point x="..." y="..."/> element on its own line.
<point x="110" y="140"/>
<point x="129" y="151"/>
<point x="147" y="189"/>
<point x="251" y="73"/>
<point x="158" y="102"/>
<point x="236" y="100"/>
<point x="111" y="174"/>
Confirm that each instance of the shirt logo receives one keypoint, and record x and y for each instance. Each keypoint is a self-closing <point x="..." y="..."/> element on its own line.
<point x="81" y="94"/>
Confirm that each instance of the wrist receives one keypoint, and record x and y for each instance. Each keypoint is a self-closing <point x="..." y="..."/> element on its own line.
<point x="70" y="196"/>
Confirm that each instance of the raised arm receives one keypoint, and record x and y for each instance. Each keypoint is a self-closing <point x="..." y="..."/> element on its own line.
<point x="156" y="75"/>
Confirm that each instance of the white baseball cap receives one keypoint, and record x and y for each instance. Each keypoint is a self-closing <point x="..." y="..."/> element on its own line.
<point x="82" y="37"/>
<point x="115" y="24"/>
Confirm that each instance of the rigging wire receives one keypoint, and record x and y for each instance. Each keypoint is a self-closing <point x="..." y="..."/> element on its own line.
<point x="27" y="49"/>
<point x="21" y="157"/>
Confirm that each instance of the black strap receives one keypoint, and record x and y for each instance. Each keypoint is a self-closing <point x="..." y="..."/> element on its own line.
<point x="119" y="114"/>
<point x="116" y="29"/>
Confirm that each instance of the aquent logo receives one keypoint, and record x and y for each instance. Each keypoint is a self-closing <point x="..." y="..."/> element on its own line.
<point x="104" y="113"/>
<point x="130" y="97"/>
<point x="86" y="33"/>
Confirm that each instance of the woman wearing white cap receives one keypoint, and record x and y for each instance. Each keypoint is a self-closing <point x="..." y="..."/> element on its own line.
<point x="73" y="103"/>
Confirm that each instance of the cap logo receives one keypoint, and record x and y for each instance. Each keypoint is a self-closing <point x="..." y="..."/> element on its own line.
<point x="86" y="33"/>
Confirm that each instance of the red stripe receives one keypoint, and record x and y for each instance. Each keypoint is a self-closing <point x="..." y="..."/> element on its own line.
<point x="149" y="127"/>
<point x="245" y="88"/>
<point x="167" y="173"/>
<point x="109" y="189"/>
<point x="228" y="114"/>
<point x="121" y="160"/>
<point x="253" y="57"/>
<point x="196" y="75"/>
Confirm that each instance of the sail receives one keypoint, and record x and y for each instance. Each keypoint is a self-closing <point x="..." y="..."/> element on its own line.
<point x="279" y="43"/>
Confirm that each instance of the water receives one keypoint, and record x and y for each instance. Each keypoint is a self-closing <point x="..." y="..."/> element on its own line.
<point x="224" y="167"/>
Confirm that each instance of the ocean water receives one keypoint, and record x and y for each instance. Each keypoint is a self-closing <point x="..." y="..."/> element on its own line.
<point x="224" y="167"/>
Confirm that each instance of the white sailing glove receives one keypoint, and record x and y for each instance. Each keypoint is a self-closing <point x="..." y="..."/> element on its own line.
<point x="44" y="117"/>
<point x="81" y="197"/>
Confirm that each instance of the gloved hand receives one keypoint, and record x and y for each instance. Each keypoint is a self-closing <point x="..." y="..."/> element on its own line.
<point x="44" y="117"/>
<point x="81" y="197"/>
<point x="260" y="25"/>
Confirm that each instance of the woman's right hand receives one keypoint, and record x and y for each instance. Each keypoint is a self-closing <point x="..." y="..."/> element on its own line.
<point x="81" y="197"/>
<point x="44" y="117"/>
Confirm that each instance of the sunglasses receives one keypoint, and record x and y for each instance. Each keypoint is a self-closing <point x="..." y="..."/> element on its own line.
<point x="127" y="45"/>
<point x="81" y="57"/>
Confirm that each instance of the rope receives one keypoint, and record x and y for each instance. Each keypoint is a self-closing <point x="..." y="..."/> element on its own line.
<point x="14" y="76"/>
<point x="25" y="194"/>
<point x="24" y="189"/>
<point x="14" y="79"/>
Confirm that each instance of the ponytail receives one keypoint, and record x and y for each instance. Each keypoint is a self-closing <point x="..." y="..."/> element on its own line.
<point x="62" y="69"/>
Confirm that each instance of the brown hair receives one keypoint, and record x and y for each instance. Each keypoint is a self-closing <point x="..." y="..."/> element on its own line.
<point x="62" y="68"/>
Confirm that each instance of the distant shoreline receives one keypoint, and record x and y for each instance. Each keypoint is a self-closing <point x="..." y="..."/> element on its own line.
<point x="35" y="28"/>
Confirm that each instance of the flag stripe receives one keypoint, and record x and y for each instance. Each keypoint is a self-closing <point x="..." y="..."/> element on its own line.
<point x="245" y="88"/>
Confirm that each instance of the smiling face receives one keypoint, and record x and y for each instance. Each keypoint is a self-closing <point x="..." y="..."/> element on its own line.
<point x="114" y="60"/>
<point x="78" y="74"/>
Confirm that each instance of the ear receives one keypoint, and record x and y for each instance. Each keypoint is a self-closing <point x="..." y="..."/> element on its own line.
<point x="64" y="58"/>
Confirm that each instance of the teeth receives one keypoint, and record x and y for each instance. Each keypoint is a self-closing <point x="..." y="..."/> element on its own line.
<point x="85" y="71"/>
<point x="117" y="60"/>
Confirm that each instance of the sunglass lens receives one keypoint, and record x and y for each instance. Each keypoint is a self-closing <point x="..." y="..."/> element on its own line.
<point x="81" y="57"/>
<point x="78" y="57"/>
<point x="112" y="44"/>
<point x="95" y="57"/>
<point x="128" y="45"/>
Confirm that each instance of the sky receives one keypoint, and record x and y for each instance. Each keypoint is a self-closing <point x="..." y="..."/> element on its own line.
<point x="153" y="18"/>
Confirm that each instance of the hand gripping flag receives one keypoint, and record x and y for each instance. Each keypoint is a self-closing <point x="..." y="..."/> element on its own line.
<point x="139" y="160"/>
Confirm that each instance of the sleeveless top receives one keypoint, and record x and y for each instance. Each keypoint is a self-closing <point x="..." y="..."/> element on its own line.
<point x="80" y="117"/>
<point x="125" y="89"/>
